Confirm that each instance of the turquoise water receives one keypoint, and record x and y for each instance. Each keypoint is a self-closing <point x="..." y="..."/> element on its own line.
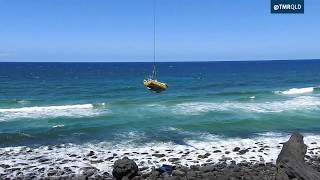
<point x="54" y="103"/>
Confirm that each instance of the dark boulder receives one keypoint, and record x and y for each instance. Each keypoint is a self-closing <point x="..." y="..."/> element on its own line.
<point x="124" y="168"/>
<point x="158" y="155"/>
<point x="178" y="173"/>
<point x="236" y="149"/>
<point x="243" y="151"/>
<point x="290" y="162"/>
<point x="173" y="159"/>
<point x="206" y="155"/>
<point x="91" y="153"/>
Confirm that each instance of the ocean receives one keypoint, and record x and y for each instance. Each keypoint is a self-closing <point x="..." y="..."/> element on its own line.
<point x="105" y="105"/>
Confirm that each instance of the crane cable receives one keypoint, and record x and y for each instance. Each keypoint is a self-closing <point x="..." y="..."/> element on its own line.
<point x="154" y="72"/>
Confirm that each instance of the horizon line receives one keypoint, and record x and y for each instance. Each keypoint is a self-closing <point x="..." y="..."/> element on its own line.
<point x="177" y="61"/>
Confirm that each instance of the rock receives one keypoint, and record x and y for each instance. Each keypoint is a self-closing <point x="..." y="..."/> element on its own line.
<point x="158" y="155"/>
<point x="78" y="177"/>
<point x="194" y="168"/>
<point x="52" y="172"/>
<point x="30" y="175"/>
<point x="153" y="174"/>
<point x="236" y="149"/>
<point x="307" y="157"/>
<point x="191" y="174"/>
<point x="4" y="166"/>
<point x="109" y="158"/>
<point x="67" y="169"/>
<point x="216" y="151"/>
<point x="205" y="169"/>
<point x="143" y="168"/>
<point x="173" y="159"/>
<point x="124" y="167"/>
<point x="96" y="161"/>
<point x="91" y="153"/>
<point x="90" y="172"/>
<point x="41" y="169"/>
<point x="29" y="151"/>
<point x="41" y="160"/>
<point x="170" y="178"/>
<point x="290" y="162"/>
<point x="178" y="173"/>
<point x="243" y="151"/>
<point x="204" y="156"/>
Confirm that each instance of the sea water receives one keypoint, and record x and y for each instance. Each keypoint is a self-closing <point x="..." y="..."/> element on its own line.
<point x="45" y="104"/>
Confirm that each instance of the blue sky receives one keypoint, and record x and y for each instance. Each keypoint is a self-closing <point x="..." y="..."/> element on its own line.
<point x="187" y="30"/>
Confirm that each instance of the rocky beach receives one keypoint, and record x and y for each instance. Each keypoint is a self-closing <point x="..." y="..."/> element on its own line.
<point x="257" y="160"/>
<point x="217" y="120"/>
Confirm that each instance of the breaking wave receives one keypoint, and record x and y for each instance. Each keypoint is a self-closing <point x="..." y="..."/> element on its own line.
<point x="79" y="110"/>
<point x="293" y="91"/>
<point x="298" y="103"/>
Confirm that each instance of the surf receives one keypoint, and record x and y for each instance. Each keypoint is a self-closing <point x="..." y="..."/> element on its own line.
<point x="294" y="91"/>
<point x="40" y="112"/>
<point x="204" y="143"/>
<point x="297" y="103"/>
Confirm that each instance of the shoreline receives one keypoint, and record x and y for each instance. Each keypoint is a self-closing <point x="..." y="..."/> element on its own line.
<point x="96" y="160"/>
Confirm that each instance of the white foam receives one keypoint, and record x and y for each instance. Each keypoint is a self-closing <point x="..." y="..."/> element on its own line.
<point x="22" y="102"/>
<point x="2" y="170"/>
<point x="297" y="91"/>
<point x="58" y="126"/>
<point x="79" y="110"/>
<point x="297" y="103"/>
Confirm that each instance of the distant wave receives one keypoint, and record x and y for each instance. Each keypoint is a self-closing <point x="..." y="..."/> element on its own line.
<point x="297" y="91"/>
<point x="79" y="110"/>
<point x="298" y="103"/>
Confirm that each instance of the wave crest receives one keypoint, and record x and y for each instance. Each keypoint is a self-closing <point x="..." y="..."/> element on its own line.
<point x="79" y="110"/>
<point x="293" y="91"/>
<point x="298" y="103"/>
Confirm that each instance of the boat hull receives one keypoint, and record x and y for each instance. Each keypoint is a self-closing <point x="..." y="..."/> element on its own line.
<point x="154" y="85"/>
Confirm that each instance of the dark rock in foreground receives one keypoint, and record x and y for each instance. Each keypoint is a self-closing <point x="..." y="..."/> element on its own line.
<point x="290" y="162"/>
<point x="125" y="168"/>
